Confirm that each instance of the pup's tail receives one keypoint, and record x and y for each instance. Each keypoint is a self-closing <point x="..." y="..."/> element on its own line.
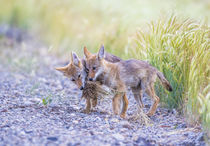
<point x="164" y="82"/>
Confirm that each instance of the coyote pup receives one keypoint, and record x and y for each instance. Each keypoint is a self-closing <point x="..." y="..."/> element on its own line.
<point x="138" y="75"/>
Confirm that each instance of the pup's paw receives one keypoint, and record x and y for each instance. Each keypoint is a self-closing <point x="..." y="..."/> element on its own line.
<point x="86" y="111"/>
<point x="123" y="116"/>
<point x="149" y="114"/>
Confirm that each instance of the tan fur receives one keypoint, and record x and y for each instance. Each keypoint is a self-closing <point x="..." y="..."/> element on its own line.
<point x="138" y="75"/>
<point x="91" y="90"/>
<point x="71" y="71"/>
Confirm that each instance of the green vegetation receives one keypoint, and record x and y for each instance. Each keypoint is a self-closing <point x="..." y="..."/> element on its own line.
<point x="47" y="100"/>
<point x="180" y="49"/>
<point x="176" y="46"/>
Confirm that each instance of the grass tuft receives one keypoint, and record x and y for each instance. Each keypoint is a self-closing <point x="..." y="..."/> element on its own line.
<point x="180" y="49"/>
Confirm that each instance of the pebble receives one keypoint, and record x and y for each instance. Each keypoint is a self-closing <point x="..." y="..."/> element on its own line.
<point x="142" y="141"/>
<point x="115" y="120"/>
<point x="118" y="136"/>
<point x="200" y="137"/>
<point x="52" y="138"/>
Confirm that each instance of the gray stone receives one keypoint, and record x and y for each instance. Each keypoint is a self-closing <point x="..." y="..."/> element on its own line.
<point x="118" y="136"/>
<point x="52" y="138"/>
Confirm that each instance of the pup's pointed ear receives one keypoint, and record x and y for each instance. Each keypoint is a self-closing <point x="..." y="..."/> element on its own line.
<point x="84" y="63"/>
<point x="86" y="52"/>
<point x="62" y="69"/>
<point x="71" y="56"/>
<point x="75" y="59"/>
<point x="101" y="53"/>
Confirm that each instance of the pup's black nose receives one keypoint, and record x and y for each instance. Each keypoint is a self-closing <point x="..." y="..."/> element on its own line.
<point x="81" y="88"/>
<point x="90" y="79"/>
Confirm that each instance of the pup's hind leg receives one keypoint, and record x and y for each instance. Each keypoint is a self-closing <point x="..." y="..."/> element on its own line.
<point x="140" y="97"/>
<point x="125" y="106"/>
<point x="151" y="92"/>
<point x="137" y="92"/>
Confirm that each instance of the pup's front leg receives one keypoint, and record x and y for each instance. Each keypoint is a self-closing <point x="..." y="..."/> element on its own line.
<point x="88" y="106"/>
<point x="115" y="103"/>
<point x="94" y="102"/>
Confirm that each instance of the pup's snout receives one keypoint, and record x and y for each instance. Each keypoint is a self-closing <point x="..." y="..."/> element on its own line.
<point x="90" y="79"/>
<point x="81" y="88"/>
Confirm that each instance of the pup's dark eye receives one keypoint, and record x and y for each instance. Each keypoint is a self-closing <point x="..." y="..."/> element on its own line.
<point x="94" y="68"/>
<point x="79" y="76"/>
<point x="73" y="80"/>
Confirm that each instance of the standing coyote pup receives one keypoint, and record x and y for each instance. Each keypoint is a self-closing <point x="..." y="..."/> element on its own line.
<point x="77" y="72"/>
<point x="136" y="74"/>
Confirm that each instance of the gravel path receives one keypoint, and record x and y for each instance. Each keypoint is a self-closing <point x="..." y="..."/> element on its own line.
<point x="27" y="76"/>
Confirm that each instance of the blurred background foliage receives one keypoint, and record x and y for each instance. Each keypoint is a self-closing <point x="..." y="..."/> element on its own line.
<point x="71" y="24"/>
<point x="172" y="35"/>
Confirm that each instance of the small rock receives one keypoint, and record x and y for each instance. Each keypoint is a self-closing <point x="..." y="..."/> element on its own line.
<point x="200" y="137"/>
<point x="114" y="120"/>
<point x="52" y="138"/>
<point x="174" y="111"/>
<point x="186" y="134"/>
<point x="98" y="119"/>
<point x="73" y="132"/>
<point x="75" y="122"/>
<point x="28" y="131"/>
<point x="118" y="136"/>
<point x="4" y="110"/>
<point x="70" y="144"/>
<point x="126" y="124"/>
<point x="187" y="143"/>
<point x="91" y="132"/>
<point x="142" y="141"/>
<point x="36" y="100"/>
<point x="22" y="133"/>
<point x="72" y="114"/>
<point x="182" y="125"/>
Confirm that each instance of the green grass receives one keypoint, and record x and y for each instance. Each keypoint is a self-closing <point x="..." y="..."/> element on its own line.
<point x="180" y="49"/>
